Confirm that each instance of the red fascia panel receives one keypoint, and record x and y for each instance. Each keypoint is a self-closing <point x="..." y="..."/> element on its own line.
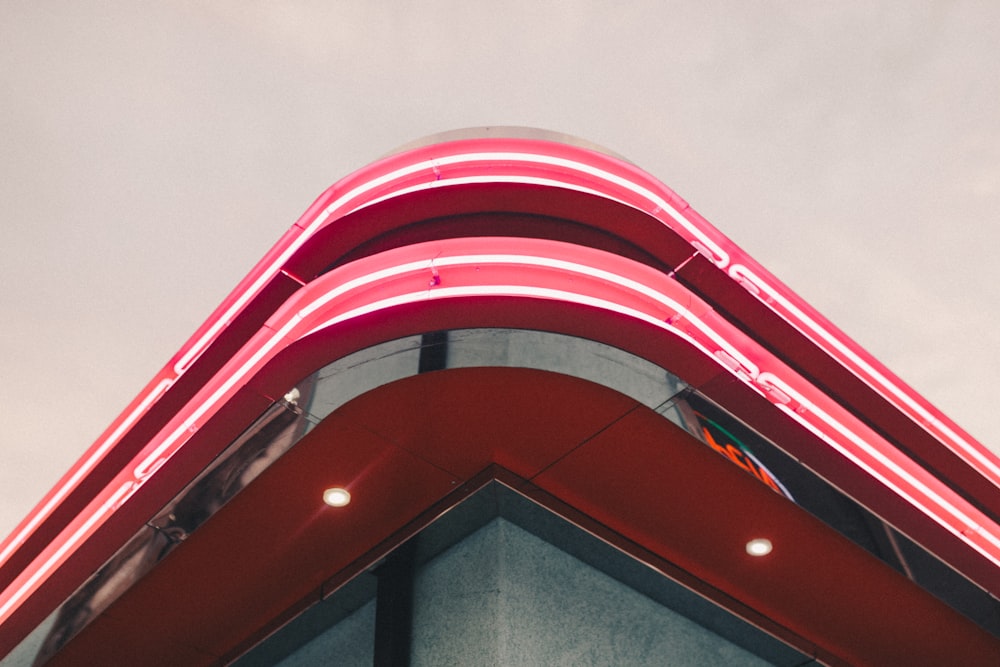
<point x="642" y="476"/>
<point x="145" y="484"/>
<point x="249" y="302"/>
<point x="651" y="470"/>
<point x="815" y="582"/>
<point x="801" y="444"/>
<point x="468" y="210"/>
<point x="829" y="373"/>
<point x="156" y="404"/>
<point x="493" y="159"/>
<point x="106" y="524"/>
<point x="531" y="270"/>
<point x="549" y="164"/>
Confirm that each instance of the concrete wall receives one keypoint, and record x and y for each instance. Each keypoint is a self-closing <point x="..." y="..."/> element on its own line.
<point x="503" y="597"/>
<point x="347" y="644"/>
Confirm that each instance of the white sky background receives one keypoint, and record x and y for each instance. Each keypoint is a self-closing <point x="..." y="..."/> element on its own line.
<point x="150" y="153"/>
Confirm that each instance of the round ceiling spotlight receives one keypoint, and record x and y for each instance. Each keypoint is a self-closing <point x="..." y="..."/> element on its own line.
<point x="336" y="497"/>
<point x="760" y="546"/>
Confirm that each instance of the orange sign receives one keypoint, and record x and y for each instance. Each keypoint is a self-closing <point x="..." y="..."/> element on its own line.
<point x="723" y="441"/>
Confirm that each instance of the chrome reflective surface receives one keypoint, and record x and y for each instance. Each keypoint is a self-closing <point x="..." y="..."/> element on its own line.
<point x="347" y="378"/>
<point x="315" y="397"/>
<point x="306" y="405"/>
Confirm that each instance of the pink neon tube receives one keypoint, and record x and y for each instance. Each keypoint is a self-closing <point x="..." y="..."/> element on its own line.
<point x="546" y="163"/>
<point x="530" y="269"/>
<point x="557" y="165"/>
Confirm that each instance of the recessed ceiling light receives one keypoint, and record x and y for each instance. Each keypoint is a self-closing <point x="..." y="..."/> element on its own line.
<point x="760" y="546"/>
<point x="336" y="497"/>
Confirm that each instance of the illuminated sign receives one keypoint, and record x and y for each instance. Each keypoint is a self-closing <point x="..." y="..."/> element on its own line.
<point x="724" y="442"/>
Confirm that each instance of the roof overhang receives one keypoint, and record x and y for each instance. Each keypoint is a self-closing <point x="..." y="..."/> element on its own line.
<point x="527" y="234"/>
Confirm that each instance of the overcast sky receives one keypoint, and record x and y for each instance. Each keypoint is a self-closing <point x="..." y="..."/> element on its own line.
<point x="151" y="152"/>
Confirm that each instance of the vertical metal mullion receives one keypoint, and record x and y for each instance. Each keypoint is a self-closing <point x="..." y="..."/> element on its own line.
<point x="394" y="607"/>
<point x="433" y="351"/>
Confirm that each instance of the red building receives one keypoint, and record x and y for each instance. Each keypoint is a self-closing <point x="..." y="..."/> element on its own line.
<point x="527" y="328"/>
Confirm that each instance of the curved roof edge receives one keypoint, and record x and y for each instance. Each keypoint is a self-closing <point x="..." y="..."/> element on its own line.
<point x="530" y="206"/>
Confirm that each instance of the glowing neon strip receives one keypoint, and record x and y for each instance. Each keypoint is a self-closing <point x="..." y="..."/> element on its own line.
<point x="64" y="548"/>
<point x="340" y="206"/>
<point x="92" y="458"/>
<point x="478" y="180"/>
<point x="154" y="457"/>
<point x="899" y="398"/>
<point x="499" y="162"/>
<point x="878" y="455"/>
<point x="516" y="166"/>
<point x="678" y="311"/>
<point x="981" y="460"/>
<point x="697" y="232"/>
<point x="516" y="291"/>
<point x="595" y="285"/>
